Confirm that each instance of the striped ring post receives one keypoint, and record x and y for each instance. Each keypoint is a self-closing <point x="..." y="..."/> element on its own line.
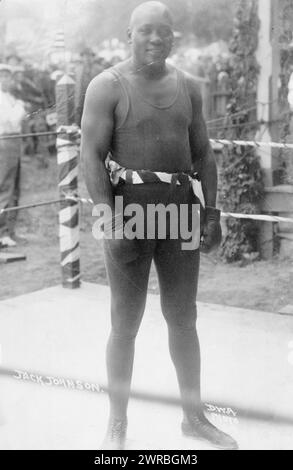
<point x="67" y="159"/>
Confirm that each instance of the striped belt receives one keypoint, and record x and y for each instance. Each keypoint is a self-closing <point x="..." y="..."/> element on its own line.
<point x="118" y="173"/>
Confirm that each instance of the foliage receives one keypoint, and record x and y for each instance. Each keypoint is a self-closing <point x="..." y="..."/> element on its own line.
<point x="286" y="63"/>
<point x="91" y="21"/>
<point x="213" y="20"/>
<point x="208" y="20"/>
<point x="242" y="186"/>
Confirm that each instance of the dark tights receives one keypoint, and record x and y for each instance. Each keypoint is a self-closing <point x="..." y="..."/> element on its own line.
<point x="178" y="275"/>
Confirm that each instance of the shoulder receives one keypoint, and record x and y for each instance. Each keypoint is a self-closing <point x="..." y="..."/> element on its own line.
<point x="104" y="86"/>
<point x="101" y="83"/>
<point x="193" y="88"/>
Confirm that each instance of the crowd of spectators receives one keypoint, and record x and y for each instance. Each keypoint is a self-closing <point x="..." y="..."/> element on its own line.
<point x="27" y="102"/>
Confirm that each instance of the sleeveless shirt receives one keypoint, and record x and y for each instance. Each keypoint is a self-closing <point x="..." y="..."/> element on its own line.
<point x="146" y="131"/>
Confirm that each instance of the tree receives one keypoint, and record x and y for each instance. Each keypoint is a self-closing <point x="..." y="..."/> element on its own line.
<point x="242" y="185"/>
<point x="92" y="21"/>
<point x="213" y="20"/>
<point x="208" y="20"/>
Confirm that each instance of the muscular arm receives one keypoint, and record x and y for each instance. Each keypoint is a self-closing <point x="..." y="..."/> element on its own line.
<point x="96" y="134"/>
<point x="203" y="159"/>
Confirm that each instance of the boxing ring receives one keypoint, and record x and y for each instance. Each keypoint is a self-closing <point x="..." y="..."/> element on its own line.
<point x="247" y="371"/>
<point x="52" y="371"/>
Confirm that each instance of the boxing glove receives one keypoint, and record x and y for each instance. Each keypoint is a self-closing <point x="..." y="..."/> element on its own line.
<point x="211" y="232"/>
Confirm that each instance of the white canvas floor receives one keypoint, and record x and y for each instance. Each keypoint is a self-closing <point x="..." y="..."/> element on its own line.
<point x="246" y="365"/>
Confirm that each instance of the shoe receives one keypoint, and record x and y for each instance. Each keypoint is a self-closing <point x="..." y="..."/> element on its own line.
<point x="6" y="241"/>
<point x="198" y="427"/>
<point x="116" y="435"/>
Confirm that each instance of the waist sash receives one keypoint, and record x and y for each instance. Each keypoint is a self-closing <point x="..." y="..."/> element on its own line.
<point x="118" y="173"/>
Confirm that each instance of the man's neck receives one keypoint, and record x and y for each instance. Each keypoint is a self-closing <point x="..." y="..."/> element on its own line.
<point x="152" y="70"/>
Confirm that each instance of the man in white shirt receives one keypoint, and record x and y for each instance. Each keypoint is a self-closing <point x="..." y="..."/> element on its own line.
<point x="11" y="119"/>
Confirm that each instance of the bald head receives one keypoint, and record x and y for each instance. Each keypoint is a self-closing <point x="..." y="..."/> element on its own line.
<point x="147" y="9"/>
<point x="150" y="34"/>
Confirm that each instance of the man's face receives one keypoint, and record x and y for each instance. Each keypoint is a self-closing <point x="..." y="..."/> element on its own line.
<point x="18" y="77"/>
<point x="87" y="59"/>
<point x="152" y="38"/>
<point x="5" y="80"/>
<point x="13" y="60"/>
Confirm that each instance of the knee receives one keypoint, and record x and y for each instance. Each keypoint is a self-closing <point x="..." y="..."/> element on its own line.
<point x="125" y="323"/>
<point x="187" y="330"/>
<point x="127" y="312"/>
<point x="181" y="319"/>
<point x="123" y="335"/>
<point x="178" y="308"/>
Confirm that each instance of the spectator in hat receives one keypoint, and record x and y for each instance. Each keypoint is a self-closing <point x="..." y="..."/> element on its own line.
<point x="85" y="72"/>
<point x="11" y="120"/>
<point x="14" y="60"/>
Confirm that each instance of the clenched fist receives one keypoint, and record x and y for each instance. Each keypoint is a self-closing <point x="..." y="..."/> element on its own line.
<point x="211" y="232"/>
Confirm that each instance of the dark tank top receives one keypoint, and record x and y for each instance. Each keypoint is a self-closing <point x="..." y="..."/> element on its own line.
<point x="144" y="131"/>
